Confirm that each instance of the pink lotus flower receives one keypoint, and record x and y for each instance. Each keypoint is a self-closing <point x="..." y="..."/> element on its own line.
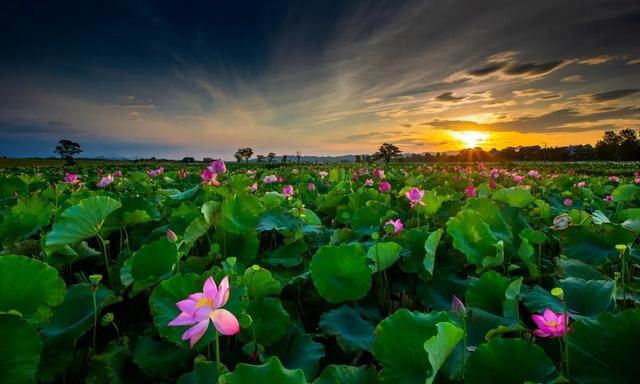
<point x="384" y="187"/>
<point x="209" y="177"/>
<point x="117" y="173"/>
<point x="99" y="172"/>
<point x="105" y="181"/>
<point x="614" y="179"/>
<point x="458" y="178"/>
<point x="581" y="184"/>
<point x="155" y="172"/>
<point x="182" y="173"/>
<point x="533" y="173"/>
<point x="218" y="166"/>
<point x="457" y="306"/>
<point x="567" y="202"/>
<point x="471" y="191"/>
<point x="269" y="179"/>
<point x="608" y="199"/>
<point x="201" y="307"/>
<point x="171" y="236"/>
<point x="379" y="173"/>
<point x="71" y="178"/>
<point x="415" y="196"/>
<point x="518" y="178"/>
<point x="398" y="226"/>
<point x="368" y="183"/>
<point x="311" y="187"/>
<point x="288" y="190"/>
<point x="279" y="179"/>
<point x="550" y="324"/>
<point x="253" y="187"/>
<point x="636" y="180"/>
<point x="323" y="174"/>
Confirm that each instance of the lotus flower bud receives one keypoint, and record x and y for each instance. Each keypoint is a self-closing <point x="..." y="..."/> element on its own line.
<point x="171" y="236"/>
<point x="561" y="222"/>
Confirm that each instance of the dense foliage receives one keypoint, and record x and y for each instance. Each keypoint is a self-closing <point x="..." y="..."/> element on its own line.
<point x="338" y="274"/>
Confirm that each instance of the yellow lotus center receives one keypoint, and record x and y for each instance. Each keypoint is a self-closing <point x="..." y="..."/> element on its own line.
<point x="204" y="301"/>
<point x="552" y="323"/>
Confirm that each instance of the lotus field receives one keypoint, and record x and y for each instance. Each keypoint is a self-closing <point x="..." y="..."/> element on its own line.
<point x="232" y="273"/>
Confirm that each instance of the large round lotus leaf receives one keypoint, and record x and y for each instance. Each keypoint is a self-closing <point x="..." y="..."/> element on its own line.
<point x="299" y="350"/>
<point x="155" y="260"/>
<point x="30" y="287"/>
<point x="352" y="332"/>
<point x="472" y="236"/>
<point x="270" y="321"/>
<point x="74" y="316"/>
<point x="204" y="372"/>
<point x="605" y="349"/>
<point x="366" y="219"/>
<point x="383" y="255"/>
<point x="19" y="350"/>
<point x="488" y="292"/>
<point x="241" y="213"/>
<point x="341" y="273"/>
<point x="260" y="282"/>
<point x="509" y="361"/>
<point x="160" y="360"/>
<point x="340" y="374"/>
<point x="163" y="305"/>
<point x="625" y="192"/>
<point x="81" y="221"/>
<point x="25" y="218"/>
<point x="588" y="297"/>
<point x="440" y="346"/>
<point x="595" y="244"/>
<point x="10" y="185"/>
<point x="514" y="197"/>
<point x="269" y="373"/>
<point x="279" y="220"/>
<point x="244" y="247"/>
<point x="491" y="215"/>
<point x="399" y="345"/>
<point x="111" y="366"/>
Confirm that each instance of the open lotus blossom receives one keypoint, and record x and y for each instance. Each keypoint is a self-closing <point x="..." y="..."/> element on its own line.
<point x="561" y="222"/>
<point x="581" y="184"/>
<point x="550" y="324"/>
<point x="608" y="199"/>
<point x="218" y="166"/>
<point x="253" y="187"/>
<point x="567" y="202"/>
<point x="209" y="177"/>
<point x="201" y="307"/>
<point x="368" y="183"/>
<point x="269" y="179"/>
<point x="71" y="178"/>
<point x="492" y="184"/>
<point x="398" y="226"/>
<point x="379" y="173"/>
<point x="636" y="180"/>
<point x="384" y="186"/>
<point x="182" y="173"/>
<point x="533" y="173"/>
<point x="470" y="191"/>
<point x="155" y="172"/>
<point x="117" y="173"/>
<point x="288" y="190"/>
<point x="415" y="197"/>
<point x="311" y="187"/>
<point x="323" y="174"/>
<point x="614" y="179"/>
<point x="105" y="181"/>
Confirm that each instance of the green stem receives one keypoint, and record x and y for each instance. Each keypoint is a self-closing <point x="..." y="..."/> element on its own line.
<point x="104" y="253"/>
<point x="564" y="347"/>
<point x="464" y="343"/>
<point x="95" y="318"/>
<point x="217" y="355"/>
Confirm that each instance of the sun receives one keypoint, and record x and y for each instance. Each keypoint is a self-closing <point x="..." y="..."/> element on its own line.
<point x="470" y="139"/>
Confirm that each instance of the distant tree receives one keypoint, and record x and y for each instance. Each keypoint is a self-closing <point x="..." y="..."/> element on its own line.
<point x="243" y="153"/>
<point x="238" y="155"/>
<point x="608" y="147"/>
<point x="629" y="145"/>
<point x="387" y="152"/>
<point x="260" y="158"/>
<point x="188" y="160"/>
<point x="271" y="156"/>
<point x="207" y="160"/>
<point x="67" y="149"/>
<point x="358" y="158"/>
<point x="284" y="159"/>
<point x="298" y="156"/>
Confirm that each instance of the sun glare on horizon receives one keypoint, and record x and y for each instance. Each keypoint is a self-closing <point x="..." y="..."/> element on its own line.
<point x="470" y="139"/>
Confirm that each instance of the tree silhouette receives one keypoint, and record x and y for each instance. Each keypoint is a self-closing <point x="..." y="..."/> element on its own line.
<point x="67" y="149"/>
<point x="243" y="153"/>
<point x="298" y="155"/>
<point x="271" y="156"/>
<point x="387" y="152"/>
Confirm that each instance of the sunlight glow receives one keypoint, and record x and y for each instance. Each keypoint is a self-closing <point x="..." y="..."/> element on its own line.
<point x="470" y="139"/>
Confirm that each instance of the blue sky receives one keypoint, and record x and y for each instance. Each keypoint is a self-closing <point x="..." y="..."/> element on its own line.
<point x="202" y="78"/>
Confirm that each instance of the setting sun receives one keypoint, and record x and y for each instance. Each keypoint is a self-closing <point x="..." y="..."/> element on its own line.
<point x="470" y="139"/>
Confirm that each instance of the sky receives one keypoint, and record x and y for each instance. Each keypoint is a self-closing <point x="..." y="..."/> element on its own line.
<point x="203" y="78"/>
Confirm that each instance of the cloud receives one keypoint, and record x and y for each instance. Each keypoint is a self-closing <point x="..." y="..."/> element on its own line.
<point x="613" y="95"/>
<point x="132" y="101"/>
<point x="563" y="120"/>
<point x="533" y="95"/>
<point x="448" y="97"/>
<point x="596" y="60"/>
<point x="633" y="62"/>
<point x="573" y="79"/>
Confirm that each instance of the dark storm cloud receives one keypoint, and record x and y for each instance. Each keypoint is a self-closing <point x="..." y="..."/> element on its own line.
<point x="613" y="95"/>
<point x="555" y="121"/>
<point x="448" y="97"/>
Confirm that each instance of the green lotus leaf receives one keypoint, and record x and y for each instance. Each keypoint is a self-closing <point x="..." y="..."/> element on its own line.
<point x="270" y="321"/>
<point x="383" y="255"/>
<point x="625" y="192"/>
<point x="260" y="281"/>
<point x="241" y="213"/>
<point x="432" y="202"/>
<point x="27" y="217"/>
<point x="340" y="273"/>
<point x="150" y="264"/>
<point x="594" y="244"/>
<point x="588" y="297"/>
<point x="488" y="292"/>
<point x="366" y="219"/>
<point x="244" y="247"/>
<point x="472" y="236"/>
<point x="204" y="372"/>
<point x="288" y="255"/>
<point x="351" y="330"/>
<point x="430" y="247"/>
<point x="298" y="350"/>
<point x="279" y="220"/>
<point x="515" y="197"/>
<point x="399" y="345"/>
<point x="81" y="221"/>
<point x="159" y="360"/>
<point x="509" y="361"/>
<point x="340" y="374"/>
<point x="605" y="349"/>
<point x="440" y="346"/>
<point x="29" y="287"/>
<point x="19" y="350"/>
<point x="268" y="373"/>
<point x="111" y="366"/>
